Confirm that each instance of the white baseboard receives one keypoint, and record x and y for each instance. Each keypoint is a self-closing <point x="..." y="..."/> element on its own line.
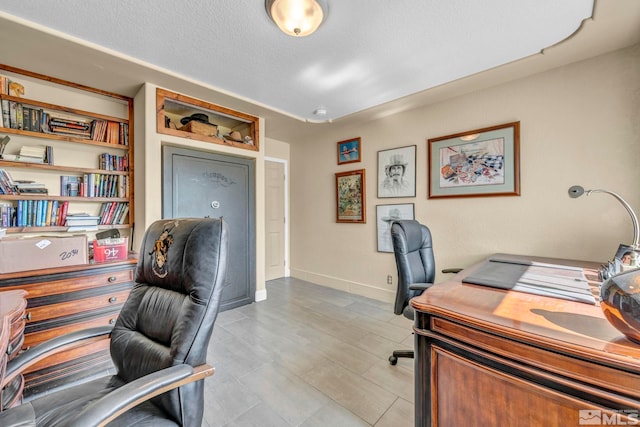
<point x="345" y="285"/>
<point x="261" y="295"/>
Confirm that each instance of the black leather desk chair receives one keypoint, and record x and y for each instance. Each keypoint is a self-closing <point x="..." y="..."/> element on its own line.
<point x="413" y="249"/>
<point x="158" y="344"/>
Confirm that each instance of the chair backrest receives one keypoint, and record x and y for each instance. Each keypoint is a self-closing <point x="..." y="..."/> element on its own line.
<point x="169" y="315"/>
<point x="413" y="249"/>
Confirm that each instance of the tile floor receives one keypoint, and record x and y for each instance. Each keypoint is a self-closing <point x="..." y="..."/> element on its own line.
<point x="309" y="356"/>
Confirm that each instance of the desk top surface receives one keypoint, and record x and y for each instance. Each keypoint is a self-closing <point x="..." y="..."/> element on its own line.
<point x="565" y="326"/>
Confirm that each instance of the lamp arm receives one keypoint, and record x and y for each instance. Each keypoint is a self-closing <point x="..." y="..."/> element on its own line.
<point x="634" y="218"/>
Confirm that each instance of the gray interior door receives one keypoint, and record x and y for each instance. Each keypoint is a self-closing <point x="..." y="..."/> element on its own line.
<point x="202" y="184"/>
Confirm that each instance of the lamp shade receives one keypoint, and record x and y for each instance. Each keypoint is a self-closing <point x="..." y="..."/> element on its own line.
<point x="297" y="18"/>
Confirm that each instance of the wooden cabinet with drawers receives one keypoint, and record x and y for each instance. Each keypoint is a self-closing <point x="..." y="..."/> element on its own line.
<point x="63" y="300"/>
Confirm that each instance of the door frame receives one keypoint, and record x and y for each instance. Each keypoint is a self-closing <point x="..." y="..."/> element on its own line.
<point x="287" y="262"/>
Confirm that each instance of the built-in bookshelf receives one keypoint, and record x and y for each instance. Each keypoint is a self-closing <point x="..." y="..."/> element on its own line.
<point x="86" y="166"/>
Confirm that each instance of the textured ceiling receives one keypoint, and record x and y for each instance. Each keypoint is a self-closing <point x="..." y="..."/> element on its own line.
<point x="367" y="52"/>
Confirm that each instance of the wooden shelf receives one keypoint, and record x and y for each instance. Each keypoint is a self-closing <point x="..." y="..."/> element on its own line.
<point x="108" y="107"/>
<point x="63" y="198"/>
<point x="44" y="166"/>
<point x="55" y="137"/>
<point x="171" y="108"/>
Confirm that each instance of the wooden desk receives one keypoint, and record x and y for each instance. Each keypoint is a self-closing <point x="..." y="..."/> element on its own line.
<point x="490" y="357"/>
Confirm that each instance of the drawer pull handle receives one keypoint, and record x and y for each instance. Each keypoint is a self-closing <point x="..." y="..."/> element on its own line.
<point x="112" y="321"/>
<point x="113" y="299"/>
<point x="27" y="316"/>
<point x="112" y="279"/>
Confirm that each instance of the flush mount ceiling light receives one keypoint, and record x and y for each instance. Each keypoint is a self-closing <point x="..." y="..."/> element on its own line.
<point x="297" y="18"/>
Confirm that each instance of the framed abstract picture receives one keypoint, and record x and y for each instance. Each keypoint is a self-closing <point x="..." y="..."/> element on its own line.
<point x="349" y="151"/>
<point x="350" y="196"/>
<point x="397" y="172"/>
<point x="385" y="215"/>
<point x="477" y="163"/>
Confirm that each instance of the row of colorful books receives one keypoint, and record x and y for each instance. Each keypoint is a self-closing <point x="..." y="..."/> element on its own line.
<point x="18" y="115"/>
<point x="7" y="215"/>
<point x="111" y="162"/>
<point x="41" y="213"/>
<point x="95" y="185"/>
<point x="114" y="213"/>
<point x="53" y="213"/>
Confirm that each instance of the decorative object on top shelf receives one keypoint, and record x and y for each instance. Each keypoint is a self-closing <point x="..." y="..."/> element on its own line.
<point x="620" y="302"/>
<point x="3" y="144"/>
<point x="477" y="163"/>
<point x="297" y="18"/>
<point x="349" y="151"/>
<point x="627" y="257"/>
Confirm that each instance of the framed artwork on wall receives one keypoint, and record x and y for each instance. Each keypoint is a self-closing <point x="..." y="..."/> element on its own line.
<point x="385" y="215"/>
<point x="397" y="172"/>
<point x="349" y="151"/>
<point x="350" y="196"/>
<point x="476" y="163"/>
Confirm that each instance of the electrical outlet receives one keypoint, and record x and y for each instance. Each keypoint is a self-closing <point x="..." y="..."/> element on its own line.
<point x="389" y="280"/>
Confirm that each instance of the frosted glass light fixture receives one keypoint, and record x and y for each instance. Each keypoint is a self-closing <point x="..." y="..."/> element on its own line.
<point x="297" y="18"/>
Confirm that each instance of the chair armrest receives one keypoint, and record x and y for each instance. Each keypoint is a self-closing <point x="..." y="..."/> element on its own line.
<point x="452" y="270"/>
<point x="420" y="286"/>
<point x="49" y="347"/>
<point x="120" y="400"/>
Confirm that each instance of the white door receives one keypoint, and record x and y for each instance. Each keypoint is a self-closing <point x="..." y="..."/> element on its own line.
<point x="275" y="220"/>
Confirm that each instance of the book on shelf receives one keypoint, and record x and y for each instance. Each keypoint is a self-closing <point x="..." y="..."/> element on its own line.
<point x="82" y="219"/>
<point x="7" y="185"/>
<point x="78" y="228"/>
<point x="6" y="122"/>
<point x="33" y="151"/>
<point x="21" y="158"/>
<point x="70" y="185"/>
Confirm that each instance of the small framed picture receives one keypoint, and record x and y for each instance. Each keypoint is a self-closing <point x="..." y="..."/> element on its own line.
<point x="385" y="215"/>
<point x="350" y="196"/>
<point x="476" y="163"/>
<point x="397" y="172"/>
<point x="349" y="151"/>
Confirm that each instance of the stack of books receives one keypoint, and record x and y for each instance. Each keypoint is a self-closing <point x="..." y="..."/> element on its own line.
<point x="29" y="154"/>
<point x="68" y="126"/>
<point x="30" y="187"/>
<point x="82" y="222"/>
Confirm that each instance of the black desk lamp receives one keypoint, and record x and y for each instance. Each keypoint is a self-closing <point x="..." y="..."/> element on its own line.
<point x="577" y="191"/>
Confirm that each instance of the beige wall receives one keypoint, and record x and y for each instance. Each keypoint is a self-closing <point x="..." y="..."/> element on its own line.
<point x="580" y="124"/>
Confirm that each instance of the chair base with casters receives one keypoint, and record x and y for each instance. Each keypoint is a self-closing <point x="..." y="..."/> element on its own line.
<point x="413" y="251"/>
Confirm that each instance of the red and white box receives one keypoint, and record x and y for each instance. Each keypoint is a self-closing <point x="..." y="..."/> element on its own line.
<point x="106" y="250"/>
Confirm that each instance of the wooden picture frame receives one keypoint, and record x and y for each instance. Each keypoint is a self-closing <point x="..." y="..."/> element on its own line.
<point x="385" y="215"/>
<point x="397" y="172"/>
<point x="477" y="163"/>
<point x="350" y="196"/>
<point x="349" y="151"/>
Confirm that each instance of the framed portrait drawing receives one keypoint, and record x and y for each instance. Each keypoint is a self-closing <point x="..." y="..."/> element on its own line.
<point x="349" y="151"/>
<point x="397" y="172"/>
<point x="350" y="196"/>
<point x="477" y="163"/>
<point x="385" y="215"/>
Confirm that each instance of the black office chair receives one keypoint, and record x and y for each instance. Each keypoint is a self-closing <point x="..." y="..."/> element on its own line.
<point x="413" y="250"/>
<point x="158" y="344"/>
